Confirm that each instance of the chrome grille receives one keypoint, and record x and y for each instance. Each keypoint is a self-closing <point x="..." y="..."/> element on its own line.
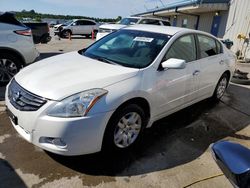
<point x="22" y="99"/>
<point x="102" y="30"/>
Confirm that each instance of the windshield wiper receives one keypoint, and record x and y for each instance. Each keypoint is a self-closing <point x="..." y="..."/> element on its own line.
<point x="105" y="60"/>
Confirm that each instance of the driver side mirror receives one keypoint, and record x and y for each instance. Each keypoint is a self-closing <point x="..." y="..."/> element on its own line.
<point x="174" y="63"/>
<point x="73" y="24"/>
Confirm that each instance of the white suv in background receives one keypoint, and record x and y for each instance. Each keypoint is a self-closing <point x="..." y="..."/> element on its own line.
<point x="109" y="28"/>
<point x="16" y="47"/>
<point x="78" y="27"/>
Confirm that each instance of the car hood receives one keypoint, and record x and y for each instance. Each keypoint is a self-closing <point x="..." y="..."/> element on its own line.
<point x="112" y="26"/>
<point x="58" y="25"/>
<point x="64" y="75"/>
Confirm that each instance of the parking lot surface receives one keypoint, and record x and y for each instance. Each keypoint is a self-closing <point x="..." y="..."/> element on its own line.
<point x="175" y="151"/>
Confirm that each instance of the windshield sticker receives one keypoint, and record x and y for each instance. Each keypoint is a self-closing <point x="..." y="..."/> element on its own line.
<point x="143" y="39"/>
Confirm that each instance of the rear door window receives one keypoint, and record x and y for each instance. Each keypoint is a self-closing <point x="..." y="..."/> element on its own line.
<point x="207" y="46"/>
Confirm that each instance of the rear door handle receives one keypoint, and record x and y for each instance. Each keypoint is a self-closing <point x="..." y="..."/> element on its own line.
<point x="196" y="72"/>
<point x="222" y="62"/>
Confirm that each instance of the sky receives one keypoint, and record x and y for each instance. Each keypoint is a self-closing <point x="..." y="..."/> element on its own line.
<point x="91" y="8"/>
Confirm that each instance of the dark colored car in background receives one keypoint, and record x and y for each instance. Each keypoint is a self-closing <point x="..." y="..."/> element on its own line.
<point x="40" y="32"/>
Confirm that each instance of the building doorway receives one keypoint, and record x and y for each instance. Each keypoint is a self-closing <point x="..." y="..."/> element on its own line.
<point x="215" y="25"/>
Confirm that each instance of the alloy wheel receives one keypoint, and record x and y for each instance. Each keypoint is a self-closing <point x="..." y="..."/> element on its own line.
<point x="221" y="87"/>
<point x="127" y="130"/>
<point x="7" y="70"/>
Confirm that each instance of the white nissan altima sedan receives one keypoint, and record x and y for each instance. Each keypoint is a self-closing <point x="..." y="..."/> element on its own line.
<point x="104" y="96"/>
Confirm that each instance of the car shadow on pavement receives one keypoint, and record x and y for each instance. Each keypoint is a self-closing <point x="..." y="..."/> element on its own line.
<point x="8" y="176"/>
<point x="175" y="140"/>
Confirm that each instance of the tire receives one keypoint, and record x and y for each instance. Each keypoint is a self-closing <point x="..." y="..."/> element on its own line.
<point x="9" y="66"/>
<point x="45" y="39"/>
<point x="126" y="135"/>
<point x="95" y="33"/>
<point x="88" y="36"/>
<point x="220" y="87"/>
<point x="66" y="33"/>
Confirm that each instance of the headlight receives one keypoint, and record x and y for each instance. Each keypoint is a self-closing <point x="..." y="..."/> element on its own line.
<point x="77" y="105"/>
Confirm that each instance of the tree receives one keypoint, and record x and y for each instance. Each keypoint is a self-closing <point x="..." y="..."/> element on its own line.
<point x="118" y="18"/>
<point x="32" y="11"/>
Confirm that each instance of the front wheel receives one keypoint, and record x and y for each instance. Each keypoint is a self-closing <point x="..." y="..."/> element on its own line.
<point x="221" y="87"/>
<point x="125" y="128"/>
<point x="66" y="33"/>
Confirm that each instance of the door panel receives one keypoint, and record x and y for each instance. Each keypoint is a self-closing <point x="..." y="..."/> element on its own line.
<point x="75" y="27"/>
<point x="211" y="65"/>
<point x="87" y="27"/>
<point x="173" y="88"/>
<point x="176" y="87"/>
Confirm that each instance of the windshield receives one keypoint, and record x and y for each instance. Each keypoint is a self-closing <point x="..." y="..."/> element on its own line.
<point x="128" y="21"/>
<point x="130" y="48"/>
<point x="68" y="22"/>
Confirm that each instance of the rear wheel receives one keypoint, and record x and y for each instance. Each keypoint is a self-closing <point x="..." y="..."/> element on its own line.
<point x="221" y="87"/>
<point x="88" y="36"/>
<point x="9" y="66"/>
<point x="124" y="129"/>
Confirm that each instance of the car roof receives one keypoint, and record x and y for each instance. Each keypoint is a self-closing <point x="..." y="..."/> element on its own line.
<point x="168" y="30"/>
<point x="83" y="19"/>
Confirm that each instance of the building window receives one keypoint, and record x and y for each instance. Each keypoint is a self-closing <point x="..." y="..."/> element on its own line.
<point x="184" y="22"/>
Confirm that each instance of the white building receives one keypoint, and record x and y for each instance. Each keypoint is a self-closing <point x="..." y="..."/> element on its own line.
<point x="223" y="18"/>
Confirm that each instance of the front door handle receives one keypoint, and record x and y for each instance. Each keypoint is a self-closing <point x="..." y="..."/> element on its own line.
<point x="196" y="72"/>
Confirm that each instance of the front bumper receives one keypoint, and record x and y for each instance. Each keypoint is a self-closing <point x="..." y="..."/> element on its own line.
<point x="81" y="135"/>
<point x="56" y="32"/>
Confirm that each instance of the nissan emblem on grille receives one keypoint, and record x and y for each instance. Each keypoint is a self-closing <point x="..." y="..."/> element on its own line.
<point x="16" y="96"/>
<point x="22" y="99"/>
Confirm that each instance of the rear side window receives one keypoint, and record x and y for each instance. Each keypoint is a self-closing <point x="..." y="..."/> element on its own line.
<point x="219" y="47"/>
<point x="9" y="18"/>
<point x="150" y="21"/>
<point x="86" y="22"/>
<point x="208" y="46"/>
<point x="183" y="48"/>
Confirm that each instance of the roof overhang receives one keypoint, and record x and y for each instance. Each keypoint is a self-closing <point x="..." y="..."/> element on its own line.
<point x="192" y="9"/>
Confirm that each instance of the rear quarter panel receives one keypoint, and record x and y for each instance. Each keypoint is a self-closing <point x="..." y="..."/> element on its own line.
<point x="22" y="44"/>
